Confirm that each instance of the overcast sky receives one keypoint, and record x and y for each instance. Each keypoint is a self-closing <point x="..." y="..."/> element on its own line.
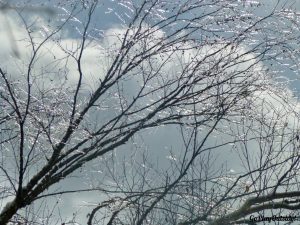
<point x="110" y="17"/>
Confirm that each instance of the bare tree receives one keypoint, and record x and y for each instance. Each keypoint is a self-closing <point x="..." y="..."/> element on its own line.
<point x="206" y="68"/>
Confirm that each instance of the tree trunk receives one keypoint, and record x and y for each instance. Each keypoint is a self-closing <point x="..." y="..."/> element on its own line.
<point x="8" y="211"/>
